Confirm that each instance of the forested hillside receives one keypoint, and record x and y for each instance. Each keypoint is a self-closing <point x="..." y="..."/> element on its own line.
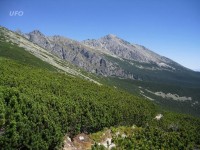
<point x="39" y="107"/>
<point x="178" y="134"/>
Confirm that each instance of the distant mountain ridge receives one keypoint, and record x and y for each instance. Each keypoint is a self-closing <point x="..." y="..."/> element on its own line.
<point x="115" y="45"/>
<point x="115" y="62"/>
<point x="123" y="49"/>
<point x="77" y="53"/>
<point x="91" y="55"/>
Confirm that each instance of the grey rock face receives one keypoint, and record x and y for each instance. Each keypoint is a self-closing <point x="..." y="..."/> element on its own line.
<point x="123" y="49"/>
<point x="37" y="37"/>
<point x="91" y="54"/>
<point x="77" y="53"/>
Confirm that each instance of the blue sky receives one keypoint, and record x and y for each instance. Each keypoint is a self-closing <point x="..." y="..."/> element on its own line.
<point x="169" y="27"/>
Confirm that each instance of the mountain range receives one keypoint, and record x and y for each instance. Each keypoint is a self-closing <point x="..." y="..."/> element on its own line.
<point x="92" y="55"/>
<point x="115" y="62"/>
<point x="59" y="93"/>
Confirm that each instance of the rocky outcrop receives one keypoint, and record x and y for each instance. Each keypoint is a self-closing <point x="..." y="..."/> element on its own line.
<point x="41" y="53"/>
<point x="77" y="53"/>
<point x="116" y="46"/>
<point x="121" y="48"/>
<point x="91" y="55"/>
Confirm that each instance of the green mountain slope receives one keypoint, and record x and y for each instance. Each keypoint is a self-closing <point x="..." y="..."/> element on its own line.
<point x="40" y="104"/>
<point x="184" y="83"/>
<point x="38" y="107"/>
<point x="12" y="51"/>
<point x="161" y="135"/>
<point x="181" y="84"/>
<point x="17" y="47"/>
<point x="146" y="72"/>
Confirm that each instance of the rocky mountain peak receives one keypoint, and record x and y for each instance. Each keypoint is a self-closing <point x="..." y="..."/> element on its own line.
<point x="110" y="36"/>
<point x="36" y="32"/>
<point x="89" y="54"/>
<point x="37" y="37"/>
<point x="117" y="46"/>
